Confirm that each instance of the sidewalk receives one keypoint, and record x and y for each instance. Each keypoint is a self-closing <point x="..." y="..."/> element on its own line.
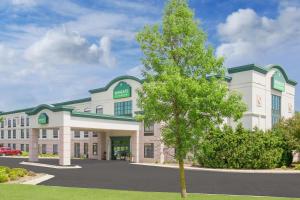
<point x="245" y="171"/>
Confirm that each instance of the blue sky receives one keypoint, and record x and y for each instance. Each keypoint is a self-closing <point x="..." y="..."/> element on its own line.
<point x="52" y="51"/>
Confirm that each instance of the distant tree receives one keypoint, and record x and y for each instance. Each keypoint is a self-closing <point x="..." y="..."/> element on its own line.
<point x="185" y="85"/>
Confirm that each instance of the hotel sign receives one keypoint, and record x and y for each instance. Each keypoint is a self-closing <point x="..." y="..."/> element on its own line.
<point x="43" y="119"/>
<point x="278" y="82"/>
<point x="122" y="90"/>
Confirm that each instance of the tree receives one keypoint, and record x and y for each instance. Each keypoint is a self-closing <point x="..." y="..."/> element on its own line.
<point x="185" y="87"/>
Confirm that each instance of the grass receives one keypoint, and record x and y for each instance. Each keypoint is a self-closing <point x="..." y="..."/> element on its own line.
<point x="29" y="192"/>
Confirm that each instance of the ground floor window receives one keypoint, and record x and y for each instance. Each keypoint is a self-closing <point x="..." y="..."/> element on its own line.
<point x="22" y="147"/>
<point x="8" y="145"/>
<point x="55" y="149"/>
<point x="95" y="149"/>
<point x="86" y="149"/>
<point x="148" y="150"/>
<point x="27" y="147"/>
<point x="44" y="148"/>
<point x="76" y="150"/>
<point x="14" y="146"/>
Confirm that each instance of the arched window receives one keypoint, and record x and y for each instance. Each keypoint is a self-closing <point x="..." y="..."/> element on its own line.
<point x="99" y="109"/>
<point x="87" y="110"/>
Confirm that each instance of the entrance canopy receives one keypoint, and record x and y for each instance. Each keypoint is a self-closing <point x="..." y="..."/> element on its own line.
<point x="66" y="118"/>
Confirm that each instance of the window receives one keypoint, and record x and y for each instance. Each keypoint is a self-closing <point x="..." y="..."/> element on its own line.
<point x="44" y="133"/>
<point x="86" y="134"/>
<point x="2" y="124"/>
<point x="27" y="133"/>
<point x="276" y="109"/>
<point x="8" y="145"/>
<point x="27" y="121"/>
<point x="22" y="121"/>
<point x="44" y="148"/>
<point x="22" y="134"/>
<point x="76" y="134"/>
<point x="2" y="134"/>
<point x="148" y="150"/>
<point x="14" y="122"/>
<point x="86" y="148"/>
<point x="123" y="108"/>
<point x="55" y="133"/>
<point x="22" y="147"/>
<point x="95" y="149"/>
<point x="87" y="110"/>
<point x="9" y="123"/>
<point x="95" y="134"/>
<point x="14" y="134"/>
<point x="27" y="148"/>
<point x="9" y="134"/>
<point x="99" y="109"/>
<point x="149" y="130"/>
<point x="55" y="149"/>
<point x="14" y="146"/>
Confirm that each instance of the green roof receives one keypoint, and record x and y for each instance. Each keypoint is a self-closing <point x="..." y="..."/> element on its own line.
<point x="72" y="102"/>
<point x="103" y="89"/>
<point x="263" y="70"/>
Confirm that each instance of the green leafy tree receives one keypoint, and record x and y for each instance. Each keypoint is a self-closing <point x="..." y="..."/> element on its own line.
<point x="185" y="87"/>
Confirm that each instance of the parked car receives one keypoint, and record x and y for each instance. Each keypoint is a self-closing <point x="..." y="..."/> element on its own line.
<point x="7" y="151"/>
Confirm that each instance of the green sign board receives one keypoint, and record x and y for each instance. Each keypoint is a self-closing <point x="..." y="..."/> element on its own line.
<point x="278" y="81"/>
<point x="122" y="90"/>
<point x="43" y="118"/>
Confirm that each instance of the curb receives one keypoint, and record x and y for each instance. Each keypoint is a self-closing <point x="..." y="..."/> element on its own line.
<point x="50" y="166"/>
<point x="38" y="180"/>
<point x="241" y="171"/>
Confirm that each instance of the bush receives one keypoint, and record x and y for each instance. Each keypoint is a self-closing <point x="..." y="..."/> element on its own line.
<point x="240" y="148"/>
<point x="13" y="175"/>
<point x="20" y="172"/>
<point x="4" y="169"/>
<point x="3" y="177"/>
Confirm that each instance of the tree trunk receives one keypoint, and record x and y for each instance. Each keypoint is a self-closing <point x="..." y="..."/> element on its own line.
<point x="182" y="178"/>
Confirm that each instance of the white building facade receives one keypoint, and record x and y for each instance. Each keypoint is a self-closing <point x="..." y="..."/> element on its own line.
<point x="103" y="127"/>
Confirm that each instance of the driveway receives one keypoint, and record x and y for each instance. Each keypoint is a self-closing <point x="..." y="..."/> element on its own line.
<point x="122" y="175"/>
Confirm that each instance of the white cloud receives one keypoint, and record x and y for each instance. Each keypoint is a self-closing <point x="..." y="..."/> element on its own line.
<point x="7" y="56"/>
<point x="136" y="71"/>
<point x="247" y="37"/>
<point x="62" y="47"/>
<point x="28" y="3"/>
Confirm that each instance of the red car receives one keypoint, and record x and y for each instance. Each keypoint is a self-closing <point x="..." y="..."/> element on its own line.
<point x="7" y="151"/>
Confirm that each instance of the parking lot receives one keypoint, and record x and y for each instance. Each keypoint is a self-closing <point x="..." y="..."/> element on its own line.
<point x="123" y="175"/>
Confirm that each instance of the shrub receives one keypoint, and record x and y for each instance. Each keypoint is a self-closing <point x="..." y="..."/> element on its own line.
<point x="240" y="148"/>
<point x="13" y="175"/>
<point x="3" y="177"/>
<point x="4" y="169"/>
<point x="297" y="167"/>
<point x="20" y="172"/>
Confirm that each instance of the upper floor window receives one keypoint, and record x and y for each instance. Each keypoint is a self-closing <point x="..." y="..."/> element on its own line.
<point x="22" y="134"/>
<point x="86" y="134"/>
<point x="22" y="121"/>
<point x="55" y="133"/>
<point x="149" y="130"/>
<point x="9" y="123"/>
<point x="27" y="133"/>
<point x="87" y="110"/>
<point x="123" y="108"/>
<point x="14" y="134"/>
<point x="99" y="109"/>
<point x="27" y="121"/>
<point x="44" y="133"/>
<point x="14" y="122"/>
<point x="76" y="134"/>
<point x="2" y="124"/>
<point x="9" y="134"/>
<point x="2" y="134"/>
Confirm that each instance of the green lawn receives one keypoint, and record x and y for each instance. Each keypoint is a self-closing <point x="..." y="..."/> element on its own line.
<point x="28" y="192"/>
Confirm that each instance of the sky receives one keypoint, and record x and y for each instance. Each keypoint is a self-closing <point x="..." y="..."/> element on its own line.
<point x="57" y="50"/>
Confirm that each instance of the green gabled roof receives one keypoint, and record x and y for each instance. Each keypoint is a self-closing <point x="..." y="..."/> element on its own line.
<point x="72" y="102"/>
<point x="101" y="116"/>
<point x="103" y="89"/>
<point x="263" y="70"/>
<point x="49" y="107"/>
<point x="16" y="111"/>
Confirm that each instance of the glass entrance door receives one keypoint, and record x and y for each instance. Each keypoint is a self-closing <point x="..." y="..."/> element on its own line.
<point x="120" y="148"/>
